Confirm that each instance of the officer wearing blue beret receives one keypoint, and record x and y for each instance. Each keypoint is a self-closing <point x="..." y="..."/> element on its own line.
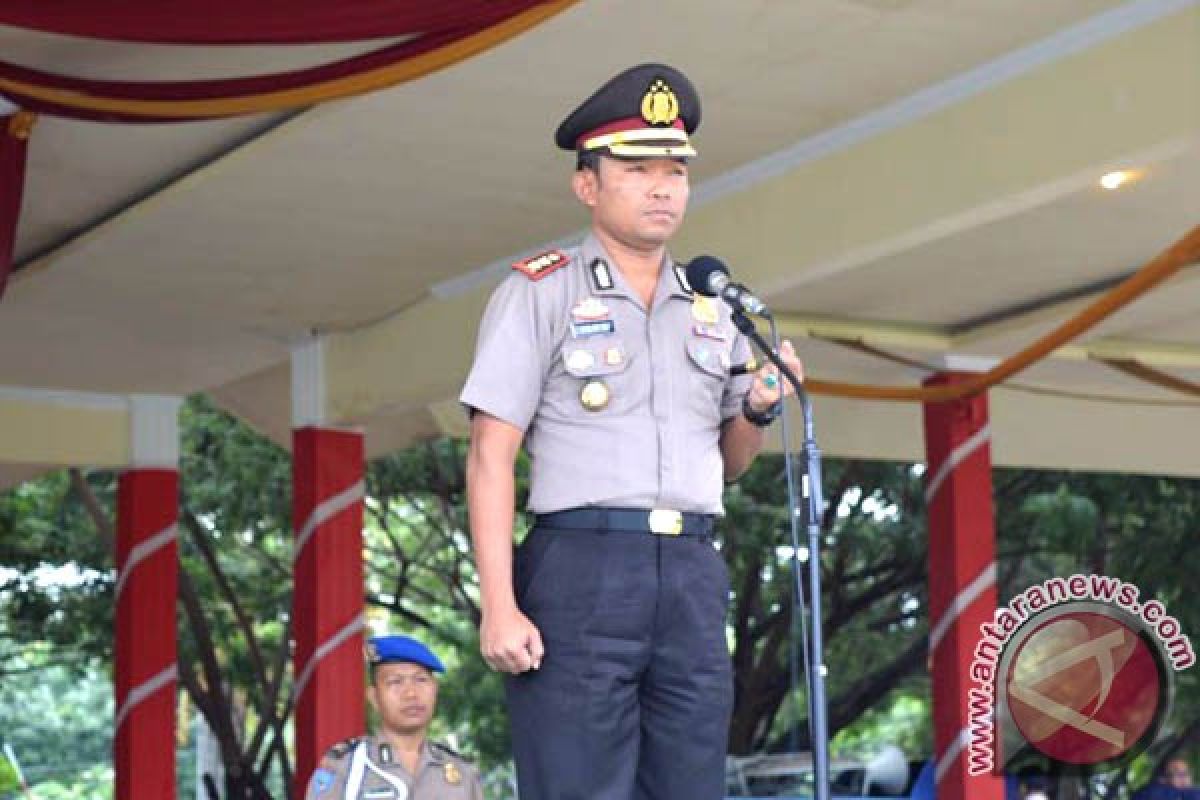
<point x="1173" y="782"/>
<point x="399" y="762"/>
<point x="634" y="399"/>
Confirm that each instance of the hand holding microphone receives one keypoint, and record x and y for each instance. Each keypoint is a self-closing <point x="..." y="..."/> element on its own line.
<point x="769" y="386"/>
<point x="710" y="277"/>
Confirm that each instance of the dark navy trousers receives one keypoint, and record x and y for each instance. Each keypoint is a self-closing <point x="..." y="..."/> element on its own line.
<point x="633" y="698"/>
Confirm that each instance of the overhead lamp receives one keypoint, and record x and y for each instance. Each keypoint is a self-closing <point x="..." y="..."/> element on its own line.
<point x="1118" y="178"/>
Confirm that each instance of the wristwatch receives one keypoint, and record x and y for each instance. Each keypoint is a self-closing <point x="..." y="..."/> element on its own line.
<point x="760" y="418"/>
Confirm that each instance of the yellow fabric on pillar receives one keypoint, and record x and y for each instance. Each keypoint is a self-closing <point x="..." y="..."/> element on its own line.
<point x="20" y="124"/>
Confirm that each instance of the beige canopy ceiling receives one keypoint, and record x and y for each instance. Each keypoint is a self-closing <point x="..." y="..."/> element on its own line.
<point x="917" y="175"/>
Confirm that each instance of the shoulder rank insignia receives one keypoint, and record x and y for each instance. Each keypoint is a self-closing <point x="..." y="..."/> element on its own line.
<point x="541" y="265"/>
<point x="443" y="750"/>
<point x="342" y="748"/>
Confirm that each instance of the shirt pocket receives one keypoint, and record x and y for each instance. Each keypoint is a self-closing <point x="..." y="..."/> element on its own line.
<point x="601" y="365"/>
<point x="709" y="362"/>
<point x="587" y="359"/>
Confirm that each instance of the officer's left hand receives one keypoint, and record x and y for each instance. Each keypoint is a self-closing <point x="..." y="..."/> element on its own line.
<point x="769" y="386"/>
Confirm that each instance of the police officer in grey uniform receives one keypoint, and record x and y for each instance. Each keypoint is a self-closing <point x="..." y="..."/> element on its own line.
<point x="632" y="396"/>
<point x="399" y="763"/>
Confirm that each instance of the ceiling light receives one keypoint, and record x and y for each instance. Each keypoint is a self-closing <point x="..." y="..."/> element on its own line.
<point x="1115" y="180"/>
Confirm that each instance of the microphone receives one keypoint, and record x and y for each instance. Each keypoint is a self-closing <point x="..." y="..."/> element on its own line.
<point x="710" y="277"/>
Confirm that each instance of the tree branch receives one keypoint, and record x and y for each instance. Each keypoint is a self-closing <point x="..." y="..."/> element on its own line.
<point x="204" y="547"/>
<point x="103" y="523"/>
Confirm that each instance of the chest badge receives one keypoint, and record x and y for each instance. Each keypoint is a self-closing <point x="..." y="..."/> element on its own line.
<point x="589" y="309"/>
<point x="709" y="332"/>
<point x="580" y="360"/>
<point x="594" y="395"/>
<point x="452" y="774"/>
<point x="704" y="310"/>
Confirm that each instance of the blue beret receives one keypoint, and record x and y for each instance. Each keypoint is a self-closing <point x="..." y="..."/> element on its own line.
<point x="400" y="649"/>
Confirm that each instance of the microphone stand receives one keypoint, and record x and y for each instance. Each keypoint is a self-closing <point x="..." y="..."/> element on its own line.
<point x="811" y="513"/>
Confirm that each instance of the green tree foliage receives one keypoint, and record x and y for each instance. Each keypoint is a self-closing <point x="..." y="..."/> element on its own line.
<point x="9" y="783"/>
<point x="873" y="557"/>
<point x="57" y="720"/>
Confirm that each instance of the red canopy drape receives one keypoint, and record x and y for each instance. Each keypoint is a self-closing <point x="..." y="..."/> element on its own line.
<point x="259" y="22"/>
<point x="177" y="101"/>
<point x="14" y="138"/>
<point x="213" y="90"/>
<point x="443" y="32"/>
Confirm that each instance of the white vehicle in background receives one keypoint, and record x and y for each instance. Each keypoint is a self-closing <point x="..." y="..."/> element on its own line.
<point x="790" y="775"/>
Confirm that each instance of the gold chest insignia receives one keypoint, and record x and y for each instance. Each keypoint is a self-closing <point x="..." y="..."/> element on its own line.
<point x="594" y="395"/>
<point x="452" y="773"/>
<point x="660" y="106"/>
<point x="704" y="310"/>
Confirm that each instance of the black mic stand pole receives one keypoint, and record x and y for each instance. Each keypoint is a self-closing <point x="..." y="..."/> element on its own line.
<point x="811" y="512"/>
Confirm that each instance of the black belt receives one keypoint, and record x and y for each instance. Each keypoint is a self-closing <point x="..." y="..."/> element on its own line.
<point x="661" y="521"/>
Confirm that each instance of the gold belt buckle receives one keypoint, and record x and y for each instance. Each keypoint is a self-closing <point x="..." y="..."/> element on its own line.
<point x="666" y="522"/>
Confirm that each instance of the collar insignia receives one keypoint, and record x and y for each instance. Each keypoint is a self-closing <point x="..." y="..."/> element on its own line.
<point x="681" y="276"/>
<point x="601" y="276"/>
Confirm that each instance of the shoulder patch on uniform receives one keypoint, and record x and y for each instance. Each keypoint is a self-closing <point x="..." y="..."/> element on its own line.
<point x="322" y="779"/>
<point x="541" y="265"/>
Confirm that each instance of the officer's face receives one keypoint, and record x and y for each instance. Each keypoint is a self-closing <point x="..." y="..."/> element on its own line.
<point x="639" y="202"/>
<point x="405" y="695"/>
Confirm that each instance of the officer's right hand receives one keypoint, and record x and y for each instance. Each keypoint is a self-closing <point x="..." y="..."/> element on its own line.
<point x="509" y="641"/>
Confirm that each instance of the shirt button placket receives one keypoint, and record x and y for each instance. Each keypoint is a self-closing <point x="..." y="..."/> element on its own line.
<point x="662" y="399"/>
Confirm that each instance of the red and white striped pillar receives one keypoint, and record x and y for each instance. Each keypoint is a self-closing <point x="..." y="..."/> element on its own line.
<point x="147" y="572"/>
<point x="327" y="605"/>
<point x="962" y="577"/>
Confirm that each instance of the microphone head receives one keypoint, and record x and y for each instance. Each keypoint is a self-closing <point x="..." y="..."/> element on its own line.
<point x="701" y="270"/>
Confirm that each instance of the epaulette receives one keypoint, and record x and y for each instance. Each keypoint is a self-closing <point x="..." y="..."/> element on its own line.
<point x="541" y="265"/>
<point x="343" y="748"/>
<point x="445" y="750"/>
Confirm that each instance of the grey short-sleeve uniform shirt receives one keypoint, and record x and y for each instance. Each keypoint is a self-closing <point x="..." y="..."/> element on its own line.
<point x="666" y="368"/>
<point x="441" y="774"/>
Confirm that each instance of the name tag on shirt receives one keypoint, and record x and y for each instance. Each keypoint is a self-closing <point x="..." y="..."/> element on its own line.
<point x="585" y="328"/>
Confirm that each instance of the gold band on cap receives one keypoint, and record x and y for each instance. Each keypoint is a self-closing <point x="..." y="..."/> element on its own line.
<point x="674" y="139"/>
<point x="653" y="151"/>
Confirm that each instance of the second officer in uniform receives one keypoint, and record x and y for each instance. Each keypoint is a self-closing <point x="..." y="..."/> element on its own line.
<point x="625" y="388"/>
<point x="399" y="762"/>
